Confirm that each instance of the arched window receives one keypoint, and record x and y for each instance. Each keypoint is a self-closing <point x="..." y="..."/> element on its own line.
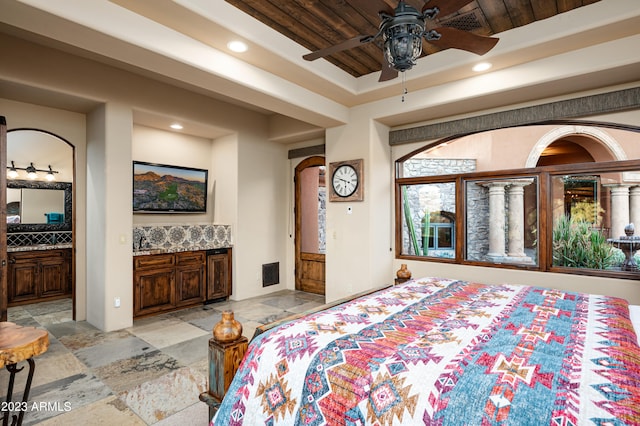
<point x="548" y="198"/>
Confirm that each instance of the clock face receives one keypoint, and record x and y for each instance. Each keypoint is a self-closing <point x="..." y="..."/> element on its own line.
<point x="345" y="180"/>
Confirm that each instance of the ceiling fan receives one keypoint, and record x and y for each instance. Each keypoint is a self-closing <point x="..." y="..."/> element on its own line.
<point x="402" y="32"/>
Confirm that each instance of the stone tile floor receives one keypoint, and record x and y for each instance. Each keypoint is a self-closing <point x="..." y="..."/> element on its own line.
<point x="151" y="373"/>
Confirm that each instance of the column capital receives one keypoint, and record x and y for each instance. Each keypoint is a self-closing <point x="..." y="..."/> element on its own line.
<point x="618" y="186"/>
<point x="521" y="182"/>
<point x="494" y="183"/>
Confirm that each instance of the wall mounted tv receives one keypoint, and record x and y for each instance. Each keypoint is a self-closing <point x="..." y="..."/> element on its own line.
<point x="160" y="188"/>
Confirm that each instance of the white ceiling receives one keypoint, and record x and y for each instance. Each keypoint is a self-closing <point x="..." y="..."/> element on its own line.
<point x="184" y="42"/>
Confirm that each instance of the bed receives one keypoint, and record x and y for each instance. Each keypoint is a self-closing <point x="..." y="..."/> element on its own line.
<point x="444" y="352"/>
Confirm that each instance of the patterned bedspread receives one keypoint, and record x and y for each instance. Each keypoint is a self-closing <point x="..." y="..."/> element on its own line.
<point x="445" y="352"/>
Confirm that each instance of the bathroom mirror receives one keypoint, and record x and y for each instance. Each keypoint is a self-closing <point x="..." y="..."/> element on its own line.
<point x="36" y="206"/>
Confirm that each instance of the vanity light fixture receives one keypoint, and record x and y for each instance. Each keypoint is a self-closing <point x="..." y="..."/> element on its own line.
<point x="32" y="172"/>
<point x="12" y="173"/>
<point x="50" y="175"/>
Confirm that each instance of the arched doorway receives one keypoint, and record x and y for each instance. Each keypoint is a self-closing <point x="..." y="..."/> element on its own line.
<point x="583" y="194"/>
<point x="310" y="207"/>
<point x="575" y="144"/>
<point x="565" y="151"/>
<point x="39" y="231"/>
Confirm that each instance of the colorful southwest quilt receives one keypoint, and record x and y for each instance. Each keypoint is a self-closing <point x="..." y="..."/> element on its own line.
<point x="444" y="352"/>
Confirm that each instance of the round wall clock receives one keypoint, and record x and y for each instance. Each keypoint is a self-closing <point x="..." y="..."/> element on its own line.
<point x="346" y="181"/>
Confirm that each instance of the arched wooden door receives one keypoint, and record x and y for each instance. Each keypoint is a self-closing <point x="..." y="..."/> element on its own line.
<point x="310" y="207"/>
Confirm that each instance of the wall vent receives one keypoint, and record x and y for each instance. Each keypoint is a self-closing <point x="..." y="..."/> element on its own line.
<point x="470" y="21"/>
<point x="270" y="274"/>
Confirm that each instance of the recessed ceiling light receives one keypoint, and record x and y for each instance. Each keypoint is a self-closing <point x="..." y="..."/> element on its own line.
<point x="482" y="66"/>
<point x="176" y="126"/>
<point x="237" y="46"/>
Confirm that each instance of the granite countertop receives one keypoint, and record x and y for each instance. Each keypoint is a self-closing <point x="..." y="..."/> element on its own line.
<point x="35" y="247"/>
<point x="148" y="251"/>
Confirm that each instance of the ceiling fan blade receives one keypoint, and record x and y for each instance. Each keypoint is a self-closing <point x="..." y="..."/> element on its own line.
<point x="388" y="72"/>
<point x="464" y="40"/>
<point x="371" y="7"/>
<point x="349" y="44"/>
<point x="446" y="7"/>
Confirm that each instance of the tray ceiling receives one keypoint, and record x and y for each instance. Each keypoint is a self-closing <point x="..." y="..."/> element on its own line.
<point x="317" y="24"/>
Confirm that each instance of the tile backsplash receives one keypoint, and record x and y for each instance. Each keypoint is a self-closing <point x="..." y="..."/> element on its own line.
<point x="26" y="239"/>
<point x="181" y="237"/>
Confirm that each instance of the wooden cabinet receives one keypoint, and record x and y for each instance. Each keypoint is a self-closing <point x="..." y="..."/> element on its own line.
<point x="38" y="275"/>
<point x="190" y="281"/>
<point x="153" y="284"/>
<point x="164" y="282"/>
<point x="218" y="273"/>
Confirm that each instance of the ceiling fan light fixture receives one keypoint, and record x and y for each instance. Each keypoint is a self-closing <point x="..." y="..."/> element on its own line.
<point x="403" y="30"/>
<point x="402" y="37"/>
<point x="403" y="44"/>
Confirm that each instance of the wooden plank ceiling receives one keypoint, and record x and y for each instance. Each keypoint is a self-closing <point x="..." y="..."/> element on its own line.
<point x="317" y="24"/>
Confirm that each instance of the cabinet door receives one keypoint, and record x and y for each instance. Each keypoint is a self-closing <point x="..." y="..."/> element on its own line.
<point x="53" y="277"/>
<point x="154" y="291"/>
<point x="22" y="279"/>
<point x="189" y="284"/>
<point x="218" y="276"/>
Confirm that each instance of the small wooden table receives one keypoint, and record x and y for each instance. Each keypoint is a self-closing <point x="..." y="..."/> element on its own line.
<point x="18" y="343"/>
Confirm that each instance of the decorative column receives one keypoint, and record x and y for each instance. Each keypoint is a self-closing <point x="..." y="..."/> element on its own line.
<point x="496" y="219"/>
<point x="619" y="209"/>
<point x="516" y="220"/>
<point x="634" y="207"/>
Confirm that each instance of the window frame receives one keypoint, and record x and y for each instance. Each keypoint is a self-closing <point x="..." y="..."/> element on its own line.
<point x="544" y="176"/>
<point x="436" y="230"/>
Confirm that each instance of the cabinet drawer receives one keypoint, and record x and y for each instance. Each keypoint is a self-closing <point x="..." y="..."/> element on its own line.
<point x="153" y="261"/>
<point x="190" y="257"/>
<point x="22" y="256"/>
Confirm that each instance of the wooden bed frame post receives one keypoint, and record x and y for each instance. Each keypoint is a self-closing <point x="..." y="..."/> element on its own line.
<point x="224" y="360"/>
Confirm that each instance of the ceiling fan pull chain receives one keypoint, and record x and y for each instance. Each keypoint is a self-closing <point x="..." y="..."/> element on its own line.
<point x="404" y="85"/>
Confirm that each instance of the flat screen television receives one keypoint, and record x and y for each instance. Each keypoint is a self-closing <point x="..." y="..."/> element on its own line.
<point x="161" y="188"/>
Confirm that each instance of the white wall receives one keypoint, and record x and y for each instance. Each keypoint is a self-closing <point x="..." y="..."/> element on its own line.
<point x="109" y="217"/>
<point x="96" y="232"/>
<point x="261" y="230"/>
<point x="358" y="240"/>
